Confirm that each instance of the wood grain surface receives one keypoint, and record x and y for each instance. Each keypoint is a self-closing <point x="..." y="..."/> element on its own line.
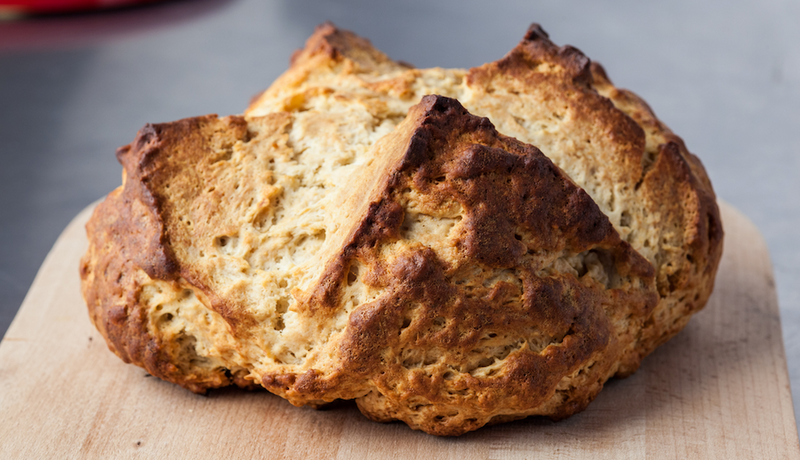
<point x="719" y="390"/>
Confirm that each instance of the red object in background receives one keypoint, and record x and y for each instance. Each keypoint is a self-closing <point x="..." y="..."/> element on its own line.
<point x="63" y="6"/>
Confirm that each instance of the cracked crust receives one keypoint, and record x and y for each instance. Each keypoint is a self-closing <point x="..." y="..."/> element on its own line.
<point x="351" y="237"/>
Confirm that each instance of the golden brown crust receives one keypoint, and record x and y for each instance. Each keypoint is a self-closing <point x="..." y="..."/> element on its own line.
<point x="519" y="211"/>
<point x="662" y="196"/>
<point x="128" y="248"/>
<point x="427" y="266"/>
<point x="674" y="187"/>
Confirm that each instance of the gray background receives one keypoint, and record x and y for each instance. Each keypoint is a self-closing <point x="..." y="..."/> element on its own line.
<point x="724" y="75"/>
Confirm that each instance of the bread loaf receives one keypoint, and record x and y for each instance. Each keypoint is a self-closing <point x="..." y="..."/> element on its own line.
<point x="449" y="248"/>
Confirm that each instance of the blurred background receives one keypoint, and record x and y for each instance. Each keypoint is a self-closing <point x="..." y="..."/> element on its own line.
<point x="725" y="76"/>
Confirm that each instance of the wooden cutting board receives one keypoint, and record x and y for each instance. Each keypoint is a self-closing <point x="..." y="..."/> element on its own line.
<point x="719" y="389"/>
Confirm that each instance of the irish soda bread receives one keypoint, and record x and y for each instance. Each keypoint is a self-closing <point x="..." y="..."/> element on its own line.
<point x="447" y="247"/>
